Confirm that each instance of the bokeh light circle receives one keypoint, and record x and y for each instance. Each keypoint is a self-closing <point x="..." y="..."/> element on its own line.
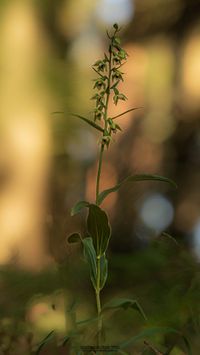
<point x="157" y="212"/>
<point x="111" y="11"/>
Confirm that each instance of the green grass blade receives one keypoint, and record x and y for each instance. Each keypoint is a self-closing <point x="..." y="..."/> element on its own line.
<point x="48" y="338"/>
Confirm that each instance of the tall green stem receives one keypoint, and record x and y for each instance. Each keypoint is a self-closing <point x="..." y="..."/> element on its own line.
<point x="108" y="88"/>
<point x="99" y="172"/>
<point x="98" y="298"/>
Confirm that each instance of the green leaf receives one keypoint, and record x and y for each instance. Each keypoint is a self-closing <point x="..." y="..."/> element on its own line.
<point x="78" y="207"/>
<point x="148" y="333"/>
<point x="47" y="339"/>
<point x="134" y="178"/>
<point x="103" y="271"/>
<point x="116" y="91"/>
<point x="98" y="228"/>
<point x="124" y="303"/>
<point x="74" y="238"/>
<point x="123" y="113"/>
<point x="91" y="123"/>
<point x="90" y="257"/>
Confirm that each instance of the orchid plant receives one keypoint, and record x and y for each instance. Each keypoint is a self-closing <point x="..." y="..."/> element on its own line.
<point x="96" y="242"/>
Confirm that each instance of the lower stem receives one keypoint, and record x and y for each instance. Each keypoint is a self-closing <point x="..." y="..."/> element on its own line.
<point x="98" y="303"/>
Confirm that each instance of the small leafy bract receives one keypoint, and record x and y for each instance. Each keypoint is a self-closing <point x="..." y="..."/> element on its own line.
<point x="78" y="207"/>
<point x="74" y="238"/>
<point x="98" y="228"/>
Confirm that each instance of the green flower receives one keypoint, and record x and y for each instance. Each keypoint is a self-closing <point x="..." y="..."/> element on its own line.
<point x="101" y="65"/>
<point x="99" y="84"/>
<point x="117" y="75"/>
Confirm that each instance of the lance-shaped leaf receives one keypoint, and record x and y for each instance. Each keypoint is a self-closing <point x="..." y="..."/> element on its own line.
<point x="103" y="271"/>
<point x="125" y="112"/>
<point x="98" y="228"/>
<point x="134" y="178"/>
<point x="74" y="238"/>
<point x="78" y="207"/>
<point x="91" y="123"/>
<point x="90" y="257"/>
<point x="124" y="303"/>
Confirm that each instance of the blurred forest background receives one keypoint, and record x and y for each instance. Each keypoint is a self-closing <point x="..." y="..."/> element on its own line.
<point x="48" y="162"/>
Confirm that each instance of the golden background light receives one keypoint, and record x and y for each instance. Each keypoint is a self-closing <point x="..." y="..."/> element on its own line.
<point x="26" y="139"/>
